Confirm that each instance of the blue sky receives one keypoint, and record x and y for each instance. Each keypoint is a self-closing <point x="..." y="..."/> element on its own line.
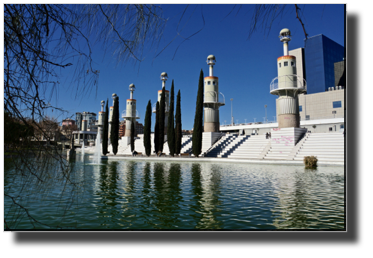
<point x="245" y="67"/>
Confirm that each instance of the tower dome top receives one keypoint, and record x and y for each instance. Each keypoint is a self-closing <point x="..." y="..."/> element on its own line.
<point x="285" y="35"/>
<point x="132" y="87"/>
<point x="164" y="74"/>
<point x="285" y="32"/>
<point x="211" y="57"/>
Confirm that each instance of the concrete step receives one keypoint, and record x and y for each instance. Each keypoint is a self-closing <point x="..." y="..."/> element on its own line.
<point x="248" y="151"/>
<point x="320" y="152"/>
<point x="278" y="158"/>
<point x="325" y="140"/>
<point x="322" y="159"/>
<point x="244" y="157"/>
<point x="304" y="146"/>
<point x="323" y="144"/>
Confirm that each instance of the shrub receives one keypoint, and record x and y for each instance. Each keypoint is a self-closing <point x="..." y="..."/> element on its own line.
<point x="310" y="161"/>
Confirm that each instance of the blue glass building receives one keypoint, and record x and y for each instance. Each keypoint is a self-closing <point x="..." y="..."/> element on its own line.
<point x="320" y="54"/>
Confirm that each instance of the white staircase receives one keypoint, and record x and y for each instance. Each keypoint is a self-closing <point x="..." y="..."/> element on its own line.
<point x="327" y="147"/>
<point x="233" y="145"/>
<point x="220" y="145"/>
<point x="186" y="144"/>
<point x="251" y="148"/>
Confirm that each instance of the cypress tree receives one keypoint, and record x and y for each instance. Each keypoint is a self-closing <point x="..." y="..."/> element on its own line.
<point x="170" y="123"/>
<point x="197" y="129"/>
<point x="147" y="129"/>
<point x="105" y="131"/>
<point x="162" y="112"/>
<point x="156" y="129"/>
<point x="132" y="135"/>
<point x="114" y="134"/>
<point x="178" y="132"/>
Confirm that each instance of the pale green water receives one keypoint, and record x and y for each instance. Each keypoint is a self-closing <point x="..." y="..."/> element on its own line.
<point x="165" y="195"/>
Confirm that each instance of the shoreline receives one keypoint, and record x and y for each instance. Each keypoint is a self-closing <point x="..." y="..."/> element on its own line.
<point x="90" y="150"/>
<point x="220" y="160"/>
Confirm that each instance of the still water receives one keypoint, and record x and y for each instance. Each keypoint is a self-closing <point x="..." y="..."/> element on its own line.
<point x="166" y="195"/>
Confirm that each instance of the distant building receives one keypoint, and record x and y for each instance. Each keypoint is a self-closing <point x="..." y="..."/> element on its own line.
<point x="187" y="132"/>
<point x="78" y="120"/>
<point x="67" y="122"/>
<point x="139" y="128"/>
<point x="90" y="117"/>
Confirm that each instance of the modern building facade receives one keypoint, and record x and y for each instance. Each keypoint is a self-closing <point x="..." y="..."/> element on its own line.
<point x="90" y="117"/>
<point x="320" y="54"/>
<point x="340" y="74"/>
<point x="323" y="105"/>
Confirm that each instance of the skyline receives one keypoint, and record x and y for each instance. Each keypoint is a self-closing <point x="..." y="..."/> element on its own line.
<point x="245" y="67"/>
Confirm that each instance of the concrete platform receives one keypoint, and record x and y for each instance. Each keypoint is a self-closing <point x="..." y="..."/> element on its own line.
<point x="220" y="160"/>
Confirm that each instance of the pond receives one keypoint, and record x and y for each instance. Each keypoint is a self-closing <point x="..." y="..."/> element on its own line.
<point x="125" y="195"/>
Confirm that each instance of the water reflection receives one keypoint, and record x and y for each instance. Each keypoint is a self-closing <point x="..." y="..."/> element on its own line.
<point x="162" y="195"/>
<point x="206" y="182"/>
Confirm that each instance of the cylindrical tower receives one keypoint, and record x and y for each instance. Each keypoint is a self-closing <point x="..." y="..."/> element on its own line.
<point x="164" y="78"/>
<point x="287" y="86"/>
<point x="113" y="96"/>
<point x="101" y="116"/>
<point x="84" y="121"/>
<point x="212" y="99"/>
<point x="130" y="114"/>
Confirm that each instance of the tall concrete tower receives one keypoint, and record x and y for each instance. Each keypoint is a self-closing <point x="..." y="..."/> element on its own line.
<point x="287" y="86"/>
<point x="164" y="77"/>
<point x="114" y="97"/>
<point x="101" y="116"/>
<point x="212" y="99"/>
<point x="130" y="114"/>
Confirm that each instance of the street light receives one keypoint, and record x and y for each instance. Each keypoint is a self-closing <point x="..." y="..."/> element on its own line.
<point x="265" y="108"/>
<point x="232" y="111"/>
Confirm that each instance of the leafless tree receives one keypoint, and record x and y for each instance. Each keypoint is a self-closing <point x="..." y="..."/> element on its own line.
<point x="41" y="40"/>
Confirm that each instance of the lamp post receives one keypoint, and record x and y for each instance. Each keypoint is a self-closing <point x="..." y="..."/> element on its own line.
<point x="265" y="108"/>
<point x="232" y="111"/>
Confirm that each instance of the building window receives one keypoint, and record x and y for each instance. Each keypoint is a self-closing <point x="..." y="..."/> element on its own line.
<point x="337" y="104"/>
<point x="307" y="117"/>
<point x="300" y="109"/>
<point x="330" y="129"/>
<point x="292" y="64"/>
<point x="213" y="82"/>
<point x="286" y="63"/>
<point x="208" y="82"/>
<point x="279" y="65"/>
<point x="342" y="127"/>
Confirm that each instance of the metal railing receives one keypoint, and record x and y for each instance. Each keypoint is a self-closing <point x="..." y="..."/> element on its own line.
<point x="155" y="107"/>
<point x="124" y="114"/>
<point x="287" y="82"/>
<point x="213" y="97"/>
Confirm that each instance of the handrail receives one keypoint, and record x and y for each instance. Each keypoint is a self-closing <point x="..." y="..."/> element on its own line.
<point x="287" y="82"/>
